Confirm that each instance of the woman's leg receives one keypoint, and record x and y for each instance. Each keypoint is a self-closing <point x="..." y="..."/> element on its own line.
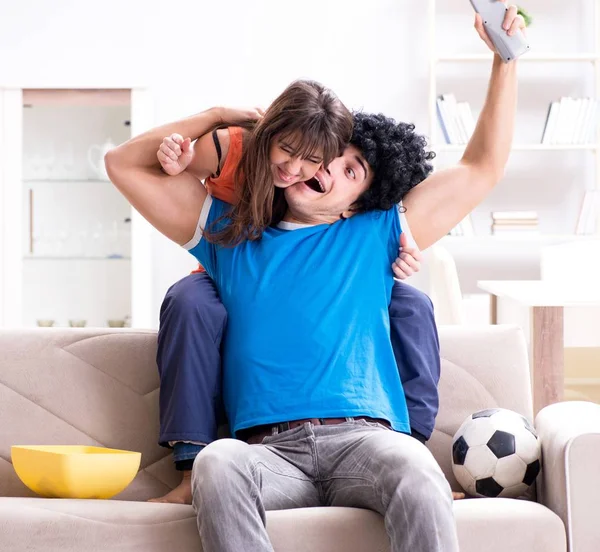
<point x="192" y="322"/>
<point x="416" y="347"/>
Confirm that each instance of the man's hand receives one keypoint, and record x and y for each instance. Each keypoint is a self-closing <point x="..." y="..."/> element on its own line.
<point x="235" y="116"/>
<point x="513" y="22"/>
<point x="175" y="154"/>
<point x="408" y="261"/>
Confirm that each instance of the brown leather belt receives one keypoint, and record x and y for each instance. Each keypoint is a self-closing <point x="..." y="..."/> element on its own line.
<point x="255" y="435"/>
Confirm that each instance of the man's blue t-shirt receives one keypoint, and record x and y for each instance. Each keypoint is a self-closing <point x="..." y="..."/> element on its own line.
<point x="308" y="333"/>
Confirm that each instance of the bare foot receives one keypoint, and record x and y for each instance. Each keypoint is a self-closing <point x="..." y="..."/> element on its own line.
<point x="458" y="496"/>
<point x="182" y="494"/>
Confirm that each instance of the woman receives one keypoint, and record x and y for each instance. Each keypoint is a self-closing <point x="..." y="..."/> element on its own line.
<point x="306" y="127"/>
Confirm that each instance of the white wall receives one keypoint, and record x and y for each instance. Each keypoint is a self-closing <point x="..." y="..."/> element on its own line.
<point x="196" y="54"/>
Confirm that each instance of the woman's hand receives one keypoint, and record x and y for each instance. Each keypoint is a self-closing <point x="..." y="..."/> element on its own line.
<point x="408" y="261"/>
<point x="513" y="22"/>
<point x="175" y="154"/>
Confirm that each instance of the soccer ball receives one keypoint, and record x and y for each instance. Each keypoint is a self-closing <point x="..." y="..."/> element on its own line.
<point x="496" y="452"/>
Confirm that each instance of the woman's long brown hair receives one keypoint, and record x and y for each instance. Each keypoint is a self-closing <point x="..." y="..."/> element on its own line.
<point x="316" y="122"/>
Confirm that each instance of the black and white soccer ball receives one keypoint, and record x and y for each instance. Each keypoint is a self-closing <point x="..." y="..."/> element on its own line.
<point x="496" y="452"/>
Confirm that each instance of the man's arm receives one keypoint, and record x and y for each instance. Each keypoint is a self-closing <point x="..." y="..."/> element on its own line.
<point x="446" y="197"/>
<point x="172" y="204"/>
<point x="441" y="201"/>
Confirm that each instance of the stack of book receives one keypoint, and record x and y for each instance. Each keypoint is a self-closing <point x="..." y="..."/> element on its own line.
<point x="572" y="121"/>
<point x="456" y="119"/>
<point x="514" y="222"/>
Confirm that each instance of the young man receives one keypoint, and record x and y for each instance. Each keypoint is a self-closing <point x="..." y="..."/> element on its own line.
<point x="311" y="386"/>
<point x="193" y="323"/>
<point x="192" y="327"/>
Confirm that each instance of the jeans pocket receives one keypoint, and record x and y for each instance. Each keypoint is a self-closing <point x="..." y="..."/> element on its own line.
<point x="282" y="436"/>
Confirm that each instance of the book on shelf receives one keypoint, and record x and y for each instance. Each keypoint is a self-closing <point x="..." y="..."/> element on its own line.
<point x="514" y="215"/>
<point x="456" y="119"/>
<point x="572" y="121"/>
<point x="513" y="222"/>
<point x="588" y="221"/>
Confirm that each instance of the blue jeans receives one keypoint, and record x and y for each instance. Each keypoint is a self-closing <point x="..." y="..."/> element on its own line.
<point x="192" y="325"/>
<point x="184" y="452"/>
<point x="358" y="464"/>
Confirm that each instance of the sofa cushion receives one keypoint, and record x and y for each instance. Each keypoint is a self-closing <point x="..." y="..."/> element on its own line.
<point x="35" y="524"/>
<point x="508" y="525"/>
<point x="482" y="367"/>
<point x="83" y="386"/>
<point x="94" y="386"/>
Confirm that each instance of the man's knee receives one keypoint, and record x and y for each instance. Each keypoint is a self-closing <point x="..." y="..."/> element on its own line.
<point x="425" y="484"/>
<point x="408" y="300"/>
<point x="194" y="297"/>
<point x="410" y="465"/>
<point x="219" y="462"/>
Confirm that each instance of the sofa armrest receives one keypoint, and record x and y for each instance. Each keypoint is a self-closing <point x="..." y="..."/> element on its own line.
<point x="570" y="479"/>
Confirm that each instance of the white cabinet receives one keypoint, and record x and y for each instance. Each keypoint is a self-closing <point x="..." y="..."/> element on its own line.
<point x="66" y="233"/>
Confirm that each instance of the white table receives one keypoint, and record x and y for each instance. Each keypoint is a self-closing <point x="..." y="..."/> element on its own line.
<point x="546" y="302"/>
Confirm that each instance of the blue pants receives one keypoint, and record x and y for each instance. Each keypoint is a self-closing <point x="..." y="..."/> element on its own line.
<point x="192" y="324"/>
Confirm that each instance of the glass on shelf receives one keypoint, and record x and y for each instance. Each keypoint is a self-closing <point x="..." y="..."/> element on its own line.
<point x="92" y="240"/>
<point x="68" y="160"/>
<point x="118" y="239"/>
<point x="52" y="244"/>
<point x="33" y="168"/>
<point x="60" y="163"/>
<point x="41" y="164"/>
<point x="96" y="246"/>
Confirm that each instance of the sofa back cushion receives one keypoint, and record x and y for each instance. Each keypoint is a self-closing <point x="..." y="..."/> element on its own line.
<point x="482" y="367"/>
<point x="100" y="387"/>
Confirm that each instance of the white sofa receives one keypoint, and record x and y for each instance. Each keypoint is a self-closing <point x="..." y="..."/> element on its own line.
<point x="100" y="387"/>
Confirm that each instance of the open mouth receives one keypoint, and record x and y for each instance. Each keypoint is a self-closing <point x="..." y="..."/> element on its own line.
<point x="315" y="185"/>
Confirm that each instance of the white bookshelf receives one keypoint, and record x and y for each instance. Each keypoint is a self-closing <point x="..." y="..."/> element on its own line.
<point x="437" y="60"/>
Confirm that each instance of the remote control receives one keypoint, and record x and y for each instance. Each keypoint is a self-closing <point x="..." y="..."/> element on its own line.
<point x="492" y="13"/>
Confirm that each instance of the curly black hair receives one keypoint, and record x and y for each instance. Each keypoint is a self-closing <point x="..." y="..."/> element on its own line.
<point x="397" y="155"/>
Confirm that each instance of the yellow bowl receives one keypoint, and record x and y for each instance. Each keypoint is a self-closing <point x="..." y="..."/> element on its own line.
<point x="70" y="471"/>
